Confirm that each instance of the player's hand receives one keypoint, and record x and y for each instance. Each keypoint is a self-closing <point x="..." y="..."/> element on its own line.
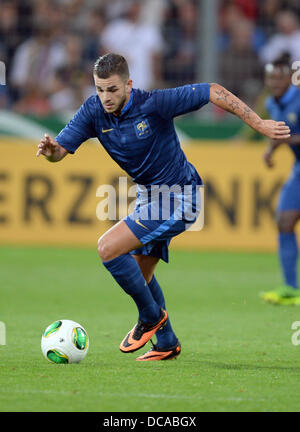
<point x="275" y="130"/>
<point x="268" y="155"/>
<point x="268" y="158"/>
<point x="47" y="146"/>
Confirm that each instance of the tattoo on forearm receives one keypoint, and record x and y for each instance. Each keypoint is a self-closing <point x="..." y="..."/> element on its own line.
<point x="243" y="111"/>
<point x="234" y="105"/>
<point x="222" y="95"/>
<point x="246" y="113"/>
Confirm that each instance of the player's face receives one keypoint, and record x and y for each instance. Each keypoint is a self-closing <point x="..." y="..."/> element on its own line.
<point x="278" y="81"/>
<point x="114" y="93"/>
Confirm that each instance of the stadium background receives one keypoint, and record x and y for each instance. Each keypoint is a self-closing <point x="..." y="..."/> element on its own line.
<point x="48" y="48"/>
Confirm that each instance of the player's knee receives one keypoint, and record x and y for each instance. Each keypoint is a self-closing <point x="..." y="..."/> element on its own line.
<point x="104" y="250"/>
<point x="285" y="224"/>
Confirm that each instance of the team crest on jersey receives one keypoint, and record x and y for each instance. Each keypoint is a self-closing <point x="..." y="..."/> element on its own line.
<point x="292" y="117"/>
<point x="142" y="128"/>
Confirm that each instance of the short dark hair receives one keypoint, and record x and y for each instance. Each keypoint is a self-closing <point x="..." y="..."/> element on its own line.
<point x="111" y="64"/>
<point x="283" y="62"/>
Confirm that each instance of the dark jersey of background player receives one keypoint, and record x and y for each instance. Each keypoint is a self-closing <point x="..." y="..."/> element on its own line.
<point x="287" y="108"/>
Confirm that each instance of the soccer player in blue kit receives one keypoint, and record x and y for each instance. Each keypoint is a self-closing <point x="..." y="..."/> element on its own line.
<point x="136" y="129"/>
<point x="284" y="104"/>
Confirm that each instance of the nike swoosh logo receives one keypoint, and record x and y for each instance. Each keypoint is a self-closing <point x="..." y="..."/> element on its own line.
<point x="126" y="342"/>
<point x="140" y="223"/>
<point x="106" y="130"/>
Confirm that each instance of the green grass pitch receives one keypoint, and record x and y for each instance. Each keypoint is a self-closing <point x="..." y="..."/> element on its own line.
<point x="237" y="352"/>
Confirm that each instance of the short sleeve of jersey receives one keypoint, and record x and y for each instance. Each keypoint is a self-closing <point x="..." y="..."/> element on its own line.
<point x="180" y="100"/>
<point x="79" y="129"/>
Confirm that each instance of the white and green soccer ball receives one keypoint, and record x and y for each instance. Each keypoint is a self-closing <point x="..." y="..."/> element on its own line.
<point x="65" y="341"/>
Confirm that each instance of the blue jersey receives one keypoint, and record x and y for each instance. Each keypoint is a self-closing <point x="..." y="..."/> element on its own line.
<point x="287" y="109"/>
<point x="142" y="140"/>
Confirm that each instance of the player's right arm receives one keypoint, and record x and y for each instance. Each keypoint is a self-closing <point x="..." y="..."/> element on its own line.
<point x="50" y="148"/>
<point x="79" y="129"/>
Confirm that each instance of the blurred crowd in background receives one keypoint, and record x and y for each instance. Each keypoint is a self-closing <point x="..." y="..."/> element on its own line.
<point x="49" y="46"/>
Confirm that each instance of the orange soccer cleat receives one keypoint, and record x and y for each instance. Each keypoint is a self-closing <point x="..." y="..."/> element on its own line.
<point x="141" y="333"/>
<point x="156" y="353"/>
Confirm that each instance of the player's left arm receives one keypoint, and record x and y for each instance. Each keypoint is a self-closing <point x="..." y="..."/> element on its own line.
<point x="223" y="98"/>
<point x="273" y="146"/>
<point x="269" y="152"/>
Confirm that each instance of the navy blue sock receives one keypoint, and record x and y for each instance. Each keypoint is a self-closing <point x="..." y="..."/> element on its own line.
<point x="288" y="255"/>
<point x="165" y="337"/>
<point x="127" y="273"/>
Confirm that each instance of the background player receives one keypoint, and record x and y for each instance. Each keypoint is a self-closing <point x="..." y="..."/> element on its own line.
<point x="284" y="104"/>
<point x="136" y="128"/>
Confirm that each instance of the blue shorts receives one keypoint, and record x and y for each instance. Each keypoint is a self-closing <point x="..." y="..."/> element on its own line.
<point x="161" y="215"/>
<point x="289" y="198"/>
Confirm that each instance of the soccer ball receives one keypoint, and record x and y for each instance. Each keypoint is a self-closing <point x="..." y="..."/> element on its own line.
<point x="65" y="341"/>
